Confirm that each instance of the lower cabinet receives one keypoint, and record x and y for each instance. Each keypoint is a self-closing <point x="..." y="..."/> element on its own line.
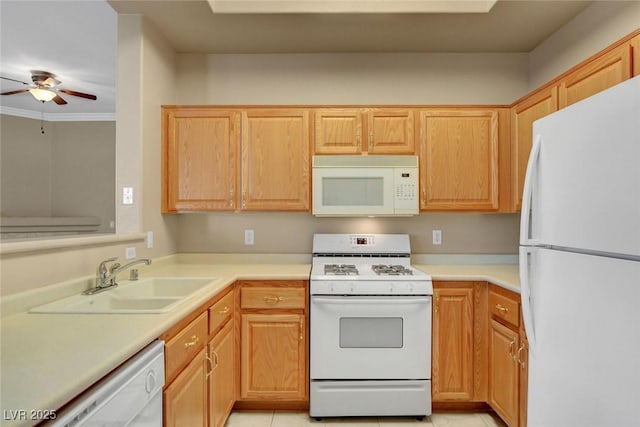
<point x="507" y="358"/>
<point x="273" y="342"/>
<point x="452" y="354"/>
<point x="222" y="379"/>
<point x="200" y="367"/>
<point x="185" y="399"/>
<point x="503" y="372"/>
<point x="459" y="341"/>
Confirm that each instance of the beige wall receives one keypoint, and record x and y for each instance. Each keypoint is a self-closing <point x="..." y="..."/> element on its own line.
<point x="462" y="233"/>
<point x="25" y="168"/>
<point x="145" y="80"/>
<point x="67" y="171"/>
<point x="598" y="26"/>
<point x="384" y="78"/>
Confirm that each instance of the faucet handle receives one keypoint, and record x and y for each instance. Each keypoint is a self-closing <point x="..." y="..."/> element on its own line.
<point x="102" y="268"/>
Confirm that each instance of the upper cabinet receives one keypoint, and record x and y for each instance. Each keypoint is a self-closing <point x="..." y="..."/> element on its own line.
<point x="275" y="160"/>
<point x="459" y="159"/>
<point x="338" y="131"/>
<point x="596" y="75"/>
<point x="200" y="158"/>
<point x="523" y="114"/>
<point x="364" y="130"/>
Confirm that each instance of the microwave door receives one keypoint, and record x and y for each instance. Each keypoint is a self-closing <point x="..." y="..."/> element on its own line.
<point x="353" y="191"/>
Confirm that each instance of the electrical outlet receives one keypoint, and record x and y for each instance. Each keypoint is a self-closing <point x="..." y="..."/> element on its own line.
<point x="437" y="237"/>
<point x="130" y="253"/>
<point x="248" y="237"/>
<point x="149" y="239"/>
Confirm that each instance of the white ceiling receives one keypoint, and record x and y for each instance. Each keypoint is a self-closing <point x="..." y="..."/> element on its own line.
<point x="76" y="40"/>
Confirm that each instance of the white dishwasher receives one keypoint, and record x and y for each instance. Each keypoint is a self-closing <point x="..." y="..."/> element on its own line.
<point x="129" y="396"/>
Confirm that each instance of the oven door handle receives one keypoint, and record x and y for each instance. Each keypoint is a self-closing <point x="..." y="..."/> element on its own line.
<point x="370" y="299"/>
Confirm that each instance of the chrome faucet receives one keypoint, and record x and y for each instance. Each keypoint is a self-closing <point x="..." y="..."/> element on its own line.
<point x="106" y="279"/>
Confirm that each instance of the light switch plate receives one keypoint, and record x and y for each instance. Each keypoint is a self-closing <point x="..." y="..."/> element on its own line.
<point x="127" y="195"/>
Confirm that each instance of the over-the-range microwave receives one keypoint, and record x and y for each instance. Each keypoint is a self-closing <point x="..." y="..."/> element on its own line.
<point x="373" y="185"/>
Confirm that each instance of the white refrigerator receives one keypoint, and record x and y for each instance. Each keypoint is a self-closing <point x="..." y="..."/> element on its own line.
<point x="580" y="263"/>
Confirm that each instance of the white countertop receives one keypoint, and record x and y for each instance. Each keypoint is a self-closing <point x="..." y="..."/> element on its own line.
<point x="48" y="359"/>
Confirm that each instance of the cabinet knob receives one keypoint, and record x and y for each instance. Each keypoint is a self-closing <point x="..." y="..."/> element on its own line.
<point x="270" y="299"/>
<point x="225" y="310"/>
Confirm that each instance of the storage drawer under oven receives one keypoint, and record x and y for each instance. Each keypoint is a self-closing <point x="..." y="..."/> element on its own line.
<point x="370" y="337"/>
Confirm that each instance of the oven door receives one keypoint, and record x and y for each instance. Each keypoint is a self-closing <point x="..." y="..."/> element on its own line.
<point x="370" y="337"/>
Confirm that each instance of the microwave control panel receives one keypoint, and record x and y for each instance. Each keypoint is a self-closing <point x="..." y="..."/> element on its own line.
<point x="406" y="189"/>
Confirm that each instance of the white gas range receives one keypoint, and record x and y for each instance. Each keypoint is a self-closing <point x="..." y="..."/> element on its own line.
<point x="370" y="328"/>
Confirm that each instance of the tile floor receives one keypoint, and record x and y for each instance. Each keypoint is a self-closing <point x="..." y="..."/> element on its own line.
<point x="302" y="419"/>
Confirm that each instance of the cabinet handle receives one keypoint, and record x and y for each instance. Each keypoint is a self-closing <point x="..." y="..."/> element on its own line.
<point x="225" y="310"/>
<point x="210" y="363"/>
<point x="511" y="350"/>
<point x="193" y="342"/>
<point x="370" y="141"/>
<point x="231" y="197"/>
<point x="269" y="299"/>
<point x="301" y="337"/>
<point x="502" y="309"/>
<point x="436" y="307"/>
<point x="424" y="197"/>
<point x="519" y="360"/>
<point x="215" y="359"/>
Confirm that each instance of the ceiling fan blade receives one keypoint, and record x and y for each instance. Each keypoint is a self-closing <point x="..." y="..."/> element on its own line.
<point x="14" y="80"/>
<point x="58" y="100"/>
<point x="80" y="94"/>
<point x="14" y="92"/>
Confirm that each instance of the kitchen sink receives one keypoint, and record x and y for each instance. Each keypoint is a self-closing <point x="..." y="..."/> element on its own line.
<point x="162" y="287"/>
<point x="147" y="296"/>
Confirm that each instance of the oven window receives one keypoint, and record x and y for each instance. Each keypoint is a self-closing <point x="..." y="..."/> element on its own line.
<point x="348" y="191"/>
<point x="371" y="332"/>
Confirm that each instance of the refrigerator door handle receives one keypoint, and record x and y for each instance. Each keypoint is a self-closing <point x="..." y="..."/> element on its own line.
<point x="527" y="255"/>
<point x="526" y="237"/>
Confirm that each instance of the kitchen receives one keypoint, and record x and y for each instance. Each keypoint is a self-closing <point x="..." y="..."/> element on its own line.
<point x="182" y="77"/>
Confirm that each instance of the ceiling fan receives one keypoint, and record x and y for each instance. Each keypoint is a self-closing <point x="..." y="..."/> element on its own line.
<point x="44" y="88"/>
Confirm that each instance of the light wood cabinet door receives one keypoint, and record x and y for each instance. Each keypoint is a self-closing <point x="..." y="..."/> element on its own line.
<point x="523" y="361"/>
<point x="222" y="389"/>
<point x="635" y="45"/>
<point x="504" y="372"/>
<point x="200" y="159"/>
<point x="275" y="160"/>
<point x="390" y="131"/>
<point x="459" y="160"/>
<point x="452" y="347"/>
<point x="338" y="131"/>
<point x="523" y="115"/>
<point x="273" y="357"/>
<point x="185" y="399"/>
<point x="596" y="76"/>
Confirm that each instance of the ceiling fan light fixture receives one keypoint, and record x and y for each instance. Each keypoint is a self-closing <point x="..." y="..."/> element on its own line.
<point x="42" y="95"/>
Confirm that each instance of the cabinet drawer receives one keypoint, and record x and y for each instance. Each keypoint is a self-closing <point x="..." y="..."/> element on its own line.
<point x="184" y="346"/>
<point x="275" y="298"/>
<point x="504" y="308"/>
<point x="220" y="312"/>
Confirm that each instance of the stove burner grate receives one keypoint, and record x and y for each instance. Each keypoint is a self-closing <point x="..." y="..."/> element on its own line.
<point x="340" y="269"/>
<point x="391" y="270"/>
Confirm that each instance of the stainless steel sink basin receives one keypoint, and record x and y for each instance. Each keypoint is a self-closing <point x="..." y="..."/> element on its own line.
<point x="148" y="296"/>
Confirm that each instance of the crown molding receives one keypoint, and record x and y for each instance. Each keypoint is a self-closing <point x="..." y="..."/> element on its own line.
<point x="58" y="117"/>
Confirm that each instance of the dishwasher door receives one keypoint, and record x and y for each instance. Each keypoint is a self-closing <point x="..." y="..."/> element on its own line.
<point x="129" y="396"/>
